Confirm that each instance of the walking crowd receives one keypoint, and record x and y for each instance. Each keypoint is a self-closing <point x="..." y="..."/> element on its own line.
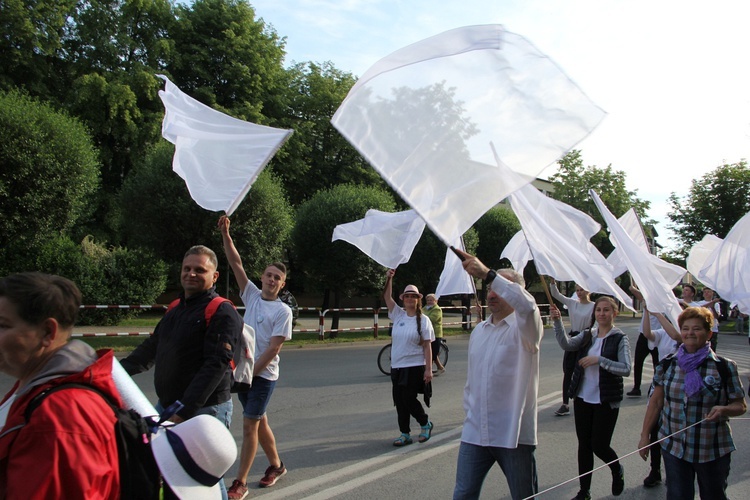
<point x="71" y="446"/>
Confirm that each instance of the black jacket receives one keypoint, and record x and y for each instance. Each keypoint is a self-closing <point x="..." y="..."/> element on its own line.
<point x="610" y="385"/>
<point x="192" y="361"/>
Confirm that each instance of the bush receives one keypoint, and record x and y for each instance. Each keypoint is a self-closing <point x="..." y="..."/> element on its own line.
<point x="104" y="276"/>
<point x="49" y="172"/>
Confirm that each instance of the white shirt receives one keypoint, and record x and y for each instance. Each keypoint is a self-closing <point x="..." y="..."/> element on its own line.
<point x="502" y="384"/>
<point x="666" y="344"/>
<point x="405" y="349"/>
<point x="580" y="314"/>
<point x="269" y="318"/>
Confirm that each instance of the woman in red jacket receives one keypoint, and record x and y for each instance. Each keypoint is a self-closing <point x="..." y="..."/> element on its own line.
<point x="67" y="449"/>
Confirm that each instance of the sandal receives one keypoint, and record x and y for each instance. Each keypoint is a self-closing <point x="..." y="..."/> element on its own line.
<point x="426" y="432"/>
<point x="402" y="440"/>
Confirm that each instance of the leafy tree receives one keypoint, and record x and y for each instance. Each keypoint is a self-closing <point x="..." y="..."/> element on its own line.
<point x="50" y="169"/>
<point x="337" y="266"/>
<point x="31" y="37"/>
<point x="226" y="58"/>
<point x="158" y="213"/>
<point x="572" y="182"/>
<point x="317" y="156"/>
<point x="713" y="205"/>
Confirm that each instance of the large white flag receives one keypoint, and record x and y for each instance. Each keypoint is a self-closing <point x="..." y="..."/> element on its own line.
<point x="218" y="157"/>
<point x="558" y="237"/>
<point x="727" y="269"/>
<point x="388" y="238"/>
<point x="424" y="117"/>
<point x="643" y="266"/>
<point x="453" y="279"/>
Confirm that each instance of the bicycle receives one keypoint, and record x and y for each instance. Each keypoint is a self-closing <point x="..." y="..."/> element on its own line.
<point x="384" y="356"/>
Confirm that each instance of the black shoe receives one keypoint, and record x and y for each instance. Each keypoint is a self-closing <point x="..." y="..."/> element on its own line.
<point x="635" y="393"/>
<point x="653" y="478"/>
<point x="618" y="481"/>
<point x="582" y="495"/>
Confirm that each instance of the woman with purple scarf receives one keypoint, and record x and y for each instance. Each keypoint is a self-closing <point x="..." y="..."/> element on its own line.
<point x="696" y="392"/>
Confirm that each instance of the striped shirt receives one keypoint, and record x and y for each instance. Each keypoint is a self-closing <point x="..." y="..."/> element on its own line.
<point x="709" y="440"/>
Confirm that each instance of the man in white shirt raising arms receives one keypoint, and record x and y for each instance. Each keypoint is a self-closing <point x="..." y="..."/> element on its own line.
<point x="500" y="397"/>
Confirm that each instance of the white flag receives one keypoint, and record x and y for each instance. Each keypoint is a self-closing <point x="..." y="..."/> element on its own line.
<point x="424" y="117"/>
<point x="631" y="223"/>
<point x="218" y="157"/>
<point x="388" y="238"/>
<point x="453" y="279"/>
<point x="727" y="270"/>
<point x="517" y="252"/>
<point x="558" y="236"/>
<point x="643" y="266"/>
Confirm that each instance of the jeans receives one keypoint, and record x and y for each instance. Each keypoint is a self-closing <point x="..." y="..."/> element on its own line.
<point x="474" y="462"/>
<point x="712" y="477"/>
<point x="222" y="411"/>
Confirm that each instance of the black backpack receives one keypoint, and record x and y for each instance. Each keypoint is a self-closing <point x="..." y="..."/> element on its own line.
<point x="139" y="474"/>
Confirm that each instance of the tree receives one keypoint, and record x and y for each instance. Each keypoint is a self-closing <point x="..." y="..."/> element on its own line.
<point x="337" y="266"/>
<point x="158" y="213"/>
<point x="317" y="156"/>
<point x="31" y="35"/>
<point x="713" y="205"/>
<point x="50" y="169"/>
<point x="226" y="58"/>
<point x="572" y="182"/>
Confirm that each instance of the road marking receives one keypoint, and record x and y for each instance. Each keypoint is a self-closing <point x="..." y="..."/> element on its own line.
<point x="421" y="453"/>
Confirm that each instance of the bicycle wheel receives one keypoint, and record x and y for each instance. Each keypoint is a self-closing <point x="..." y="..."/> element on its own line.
<point x="443" y="354"/>
<point x="384" y="360"/>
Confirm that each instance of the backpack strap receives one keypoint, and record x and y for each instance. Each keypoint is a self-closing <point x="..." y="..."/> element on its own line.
<point x="213" y="306"/>
<point x="37" y="400"/>
<point x="210" y="310"/>
<point x="724" y="375"/>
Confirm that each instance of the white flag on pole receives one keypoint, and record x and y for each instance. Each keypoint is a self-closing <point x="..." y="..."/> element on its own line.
<point x="558" y="236"/>
<point x="218" y="156"/>
<point x="388" y="238"/>
<point x="517" y="252"/>
<point x="631" y="223"/>
<point x="643" y="266"/>
<point x="424" y="117"/>
<point x="453" y="279"/>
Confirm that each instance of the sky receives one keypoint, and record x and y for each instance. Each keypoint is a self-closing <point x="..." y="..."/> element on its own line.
<point x="673" y="76"/>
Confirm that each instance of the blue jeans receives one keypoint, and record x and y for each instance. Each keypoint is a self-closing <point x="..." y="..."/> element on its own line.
<point x="712" y="477"/>
<point x="474" y="462"/>
<point x="222" y="411"/>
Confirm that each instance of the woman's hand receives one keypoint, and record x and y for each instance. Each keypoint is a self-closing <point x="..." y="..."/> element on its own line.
<point x="428" y="375"/>
<point x="589" y="361"/>
<point x="554" y="312"/>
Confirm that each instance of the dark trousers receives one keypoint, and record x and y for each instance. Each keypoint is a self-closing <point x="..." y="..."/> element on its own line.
<point x="712" y="478"/>
<point x="595" y="424"/>
<point x="655" y="451"/>
<point x="569" y="366"/>
<point x="406" y="385"/>
<point x="641" y="352"/>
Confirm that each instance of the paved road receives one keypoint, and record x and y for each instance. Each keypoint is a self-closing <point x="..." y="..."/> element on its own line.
<point x="334" y="422"/>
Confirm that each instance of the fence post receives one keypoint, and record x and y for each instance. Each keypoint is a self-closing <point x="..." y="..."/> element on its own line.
<point x="322" y="324"/>
<point x="375" y="324"/>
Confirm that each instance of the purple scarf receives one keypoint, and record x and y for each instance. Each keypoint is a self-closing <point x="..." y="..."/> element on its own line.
<point x="689" y="364"/>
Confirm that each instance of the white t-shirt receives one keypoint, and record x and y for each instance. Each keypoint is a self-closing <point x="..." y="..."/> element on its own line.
<point x="666" y="344"/>
<point x="5" y="408"/>
<point x="406" y="351"/>
<point x="269" y="318"/>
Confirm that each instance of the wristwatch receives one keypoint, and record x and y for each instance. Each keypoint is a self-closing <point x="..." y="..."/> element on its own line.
<point x="490" y="276"/>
